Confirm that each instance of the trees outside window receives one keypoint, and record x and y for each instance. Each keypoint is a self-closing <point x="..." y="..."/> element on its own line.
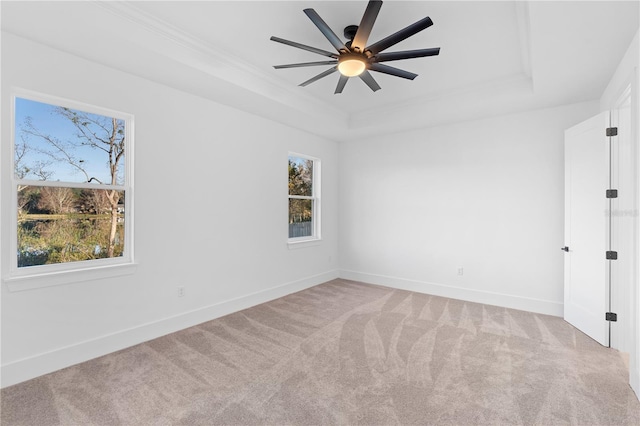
<point x="71" y="181"/>
<point x="304" y="197"/>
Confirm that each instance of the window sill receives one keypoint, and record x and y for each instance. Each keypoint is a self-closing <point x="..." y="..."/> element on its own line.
<point x="49" y="279"/>
<point x="303" y="243"/>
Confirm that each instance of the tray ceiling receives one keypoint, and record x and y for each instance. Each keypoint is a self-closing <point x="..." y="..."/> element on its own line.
<point x="496" y="57"/>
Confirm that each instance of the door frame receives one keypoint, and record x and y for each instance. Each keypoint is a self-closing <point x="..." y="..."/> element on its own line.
<point x="622" y="236"/>
<point x="626" y="334"/>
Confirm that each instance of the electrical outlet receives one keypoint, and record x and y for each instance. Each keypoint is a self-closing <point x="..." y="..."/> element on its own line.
<point x="460" y="271"/>
<point x="180" y="291"/>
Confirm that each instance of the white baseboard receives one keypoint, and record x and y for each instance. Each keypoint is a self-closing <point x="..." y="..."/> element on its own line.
<point x="498" y="299"/>
<point x="29" y="368"/>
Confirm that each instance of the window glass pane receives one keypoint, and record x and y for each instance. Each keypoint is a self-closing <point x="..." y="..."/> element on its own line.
<point x="55" y="143"/>
<point x="300" y="218"/>
<point x="59" y="224"/>
<point x="300" y="176"/>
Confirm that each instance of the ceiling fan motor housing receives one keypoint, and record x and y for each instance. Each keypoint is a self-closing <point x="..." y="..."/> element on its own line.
<point x="350" y="31"/>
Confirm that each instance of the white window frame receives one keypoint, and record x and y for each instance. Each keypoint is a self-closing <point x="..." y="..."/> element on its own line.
<point x="316" y="208"/>
<point x="26" y="278"/>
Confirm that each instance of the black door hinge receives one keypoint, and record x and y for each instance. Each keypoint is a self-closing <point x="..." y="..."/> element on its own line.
<point x="610" y="316"/>
<point x="612" y="131"/>
<point x="612" y="255"/>
<point x="612" y="193"/>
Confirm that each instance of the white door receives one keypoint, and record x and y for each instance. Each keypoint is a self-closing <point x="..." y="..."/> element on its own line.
<point x="586" y="291"/>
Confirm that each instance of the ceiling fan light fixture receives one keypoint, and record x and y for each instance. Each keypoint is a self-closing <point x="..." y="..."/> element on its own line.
<point x="351" y="65"/>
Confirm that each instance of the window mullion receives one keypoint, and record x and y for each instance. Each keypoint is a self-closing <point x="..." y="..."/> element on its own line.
<point x="62" y="184"/>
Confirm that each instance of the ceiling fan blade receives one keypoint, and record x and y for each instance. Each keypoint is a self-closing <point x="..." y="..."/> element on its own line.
<point x="319" y="76"/>
<point x="305" y="47"/>
<point x="366" y="24"/>
<point x="400" y="35"/>
<point x="368" y="79"/>
<point x="341" y="83"/>
<point x="324" y="29"/>
<point x="386" y="69"/>
<point x="406" y="54"/>
<point x="305" y="64"/>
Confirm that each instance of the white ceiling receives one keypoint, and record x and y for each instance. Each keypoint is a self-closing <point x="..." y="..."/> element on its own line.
<point x="496" y="57"/>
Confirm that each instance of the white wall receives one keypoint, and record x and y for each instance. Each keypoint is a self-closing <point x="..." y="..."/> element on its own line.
<point x="486" y="196"/>
<point x="211" y="215"/>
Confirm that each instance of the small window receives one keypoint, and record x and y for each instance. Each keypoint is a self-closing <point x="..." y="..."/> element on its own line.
<point x="72" y="186"/>
<point x="304" y="198"/>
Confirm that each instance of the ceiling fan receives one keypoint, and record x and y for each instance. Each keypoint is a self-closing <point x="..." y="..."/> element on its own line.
<point x="355" y="58"/>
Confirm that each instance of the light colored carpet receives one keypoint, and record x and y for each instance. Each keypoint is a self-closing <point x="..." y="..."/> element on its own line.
<point x="344" y="353"/>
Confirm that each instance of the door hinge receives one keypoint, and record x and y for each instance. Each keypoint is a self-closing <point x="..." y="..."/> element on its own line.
<point x="612" y="255"/>
<point x="612" y="193"/>
<point x="610" y="316"/>
<point x="612" y="131"/>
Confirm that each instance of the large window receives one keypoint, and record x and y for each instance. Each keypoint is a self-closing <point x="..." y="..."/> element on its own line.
<point x="304" y="198"/>
<point x="72" y="186"/>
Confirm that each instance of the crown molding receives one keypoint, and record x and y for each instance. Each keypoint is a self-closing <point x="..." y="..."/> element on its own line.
<point x="193" y="52"/>
<point x="491" y="86"/>
<point x="327" y="119"/>
<point x="162" y="52"/>
<point x="465" y="103"/>
<point x="523" y="80"/>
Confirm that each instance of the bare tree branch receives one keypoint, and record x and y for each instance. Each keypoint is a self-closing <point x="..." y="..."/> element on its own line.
<point x="61" y="152"/>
